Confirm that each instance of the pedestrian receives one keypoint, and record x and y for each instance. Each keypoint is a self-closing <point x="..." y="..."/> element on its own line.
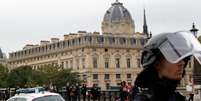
<point x="73" y="93"/>
<point x="94" y="93"/>
<point x="164" y="59"/>
<point x="191" y="97"/>
<point x="68" y="90"/>
<point x="123" y="91"/>
<point x="84" y="91"/>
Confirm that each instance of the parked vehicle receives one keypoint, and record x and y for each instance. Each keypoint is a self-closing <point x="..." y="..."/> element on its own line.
<point x="35" y="94"/>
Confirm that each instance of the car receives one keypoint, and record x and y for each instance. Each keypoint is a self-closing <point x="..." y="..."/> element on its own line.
<point x="29" y="95"/>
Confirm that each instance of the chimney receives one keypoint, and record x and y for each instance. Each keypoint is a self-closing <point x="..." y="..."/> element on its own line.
<point x="44" y="42"/>
<point x="53" y="40"/>
<point x="96" y="33"/>
<point x="81" y="32"/>
<point x="28" y="46"/>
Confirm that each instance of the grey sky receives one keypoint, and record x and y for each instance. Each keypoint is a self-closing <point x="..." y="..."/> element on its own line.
<point x="29" y="21"/>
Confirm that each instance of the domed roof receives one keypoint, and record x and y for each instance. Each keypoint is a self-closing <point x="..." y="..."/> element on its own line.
<point x="117" y="12"/>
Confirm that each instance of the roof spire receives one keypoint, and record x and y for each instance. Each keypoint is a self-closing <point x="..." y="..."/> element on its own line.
<point x="145" y="29"/>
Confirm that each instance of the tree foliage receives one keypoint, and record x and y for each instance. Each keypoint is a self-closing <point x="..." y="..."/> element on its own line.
<point x="25" y="76"/>
<point x="3" y="75"/>
<point x="199" y="38"/>
<point x="66" y="76"/>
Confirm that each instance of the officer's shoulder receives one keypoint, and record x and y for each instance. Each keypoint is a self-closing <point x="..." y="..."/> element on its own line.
<point x="144" y="95"/>
<point x="179" y="97"/>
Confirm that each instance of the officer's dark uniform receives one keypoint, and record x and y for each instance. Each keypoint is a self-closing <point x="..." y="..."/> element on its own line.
<point x="151" y="88"/>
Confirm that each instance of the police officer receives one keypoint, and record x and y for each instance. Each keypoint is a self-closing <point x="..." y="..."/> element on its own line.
<point x="164" y="59"/>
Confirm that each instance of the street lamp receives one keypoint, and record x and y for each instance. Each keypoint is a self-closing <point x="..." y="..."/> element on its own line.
<point x="194" y="30"/>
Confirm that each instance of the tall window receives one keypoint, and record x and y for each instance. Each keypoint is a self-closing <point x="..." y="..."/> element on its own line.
<point x="106" y="62"/>
<point x="118" y="76"/>
<point x="107" y="76"/>
<point x="95" y="62"/>
<point x="78" y="63"/>
<point x="100" y="39"/>
<point x="111" y="40"/>
<point x="128" y="61"/>
<point x="107" y="85"/>
<point x="128" y="76"/>
<point x="122" y="40"/>
<point x="133" y="41"/>
<point x="95" y="76"/>
<point x="66" y="64"/>
<point x="138" y="63"/>
<point x="71" y="64"/>
<point x="117" y="62"/>
<point x="83" y="63"/>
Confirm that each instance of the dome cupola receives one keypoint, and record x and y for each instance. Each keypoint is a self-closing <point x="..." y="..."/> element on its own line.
<point x="117" y="20"/>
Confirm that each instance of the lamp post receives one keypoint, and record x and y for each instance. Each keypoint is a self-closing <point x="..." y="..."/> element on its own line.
<point x="194" y="30"/>
<point x="194" y="75"/>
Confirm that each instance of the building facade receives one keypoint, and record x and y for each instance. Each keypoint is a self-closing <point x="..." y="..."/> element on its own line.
<point x="105" y="59"/>
<point x="3" y="59"/>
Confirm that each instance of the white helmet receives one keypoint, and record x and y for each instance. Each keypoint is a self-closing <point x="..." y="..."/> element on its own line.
<point x="173" y="46"/>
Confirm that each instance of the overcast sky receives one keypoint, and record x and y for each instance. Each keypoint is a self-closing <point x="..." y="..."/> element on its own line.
<point x="29" y="21"/>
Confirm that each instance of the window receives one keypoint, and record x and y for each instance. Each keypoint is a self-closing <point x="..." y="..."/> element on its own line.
<point x="106" y="62"/>
<point x="100" y="39"/>
<point x="95" y="76"/>
<point x="79" y="40"/>
<point x="18" y="99"/>
<point x="117" y="62"/>
<point x="83" y="63"/>
<point x="58" y="45"/>
<point x="107" y="85"/>
<point x="48" y="98"/>
<point x="138" y="63"/>
<point x="88" y="38"/>
<point x="133" y="41"/>
<point x="107" y="76"/>
<point x="95" y="62"/>
<point x="118" y="76"/>
<point x="122" y="40"/>
<point x="128" y="76"/>
<point x="78" y="63"/>
<point x="128" y="61"/>
<point x="82" y="49"/>
<point x="64" y="44"/>
<point x="142" y="41"/>
<point x="73" y="42"/>
<point x="118" y="84"/>
<point x="71" y="64"/>
<point x="62" y="65"/>
<point x="111" y="40"/>
<point x="66" y="64"/>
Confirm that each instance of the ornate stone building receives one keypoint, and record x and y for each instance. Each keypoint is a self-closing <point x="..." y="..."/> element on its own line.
<point x="104" y="59"/>
<point x="3" y="59"/>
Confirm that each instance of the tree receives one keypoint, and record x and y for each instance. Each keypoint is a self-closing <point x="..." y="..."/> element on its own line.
<point x="57" y="76"/>
<point x="66" y="76"/>
<point x="199" y="38"/>
<point x="3" y="75"/>
<point x="24" y="76"/>
<point x="49" y="72"/>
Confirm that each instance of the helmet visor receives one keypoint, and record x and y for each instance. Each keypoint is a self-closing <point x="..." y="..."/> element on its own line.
<point x="180" y="45"/>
